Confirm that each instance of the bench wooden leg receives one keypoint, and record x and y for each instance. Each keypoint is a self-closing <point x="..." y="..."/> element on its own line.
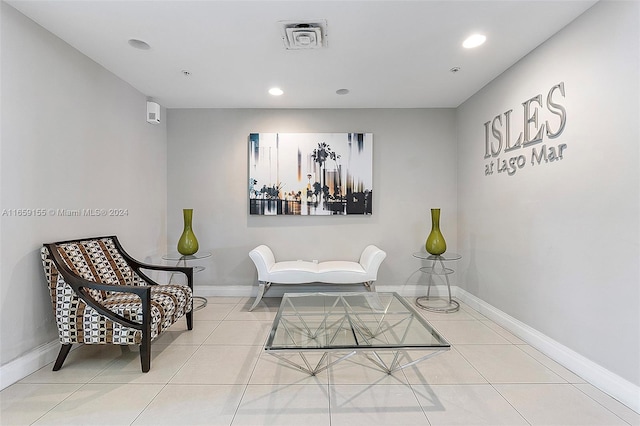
<point x="264" y="286"/>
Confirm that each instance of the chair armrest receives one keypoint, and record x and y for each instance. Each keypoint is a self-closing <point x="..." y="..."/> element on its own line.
<point x="137" y="266"/>
<point x="80" y="286"/>
<point x="140" y="265"/>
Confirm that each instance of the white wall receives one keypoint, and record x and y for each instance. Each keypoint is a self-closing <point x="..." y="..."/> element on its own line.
<point x="556" y="245"/>
<point x="73" y="137"/>
<point x="413" y="171"/>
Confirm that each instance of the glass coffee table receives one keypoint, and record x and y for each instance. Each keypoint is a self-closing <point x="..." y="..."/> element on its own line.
<point x="343" y="324"/>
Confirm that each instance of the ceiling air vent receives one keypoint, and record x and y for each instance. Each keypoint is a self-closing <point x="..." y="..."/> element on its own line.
<point x="304" y="34"/>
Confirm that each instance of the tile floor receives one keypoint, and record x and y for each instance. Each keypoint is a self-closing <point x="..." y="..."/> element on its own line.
<point x="218" y="374"/>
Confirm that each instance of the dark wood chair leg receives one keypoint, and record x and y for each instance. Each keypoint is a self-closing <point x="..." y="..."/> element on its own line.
<point x="145" y="353"/>
<point x="145" y="344"/>
<point x="190" y="320"/>
<point x="62" y="355"/>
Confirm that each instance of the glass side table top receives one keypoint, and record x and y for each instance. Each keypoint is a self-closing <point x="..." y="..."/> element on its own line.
<point x="195" y="256"/>
<point x="444" y="256"/>
<point x="350" y="322"/>
<point x="182" y="259"/>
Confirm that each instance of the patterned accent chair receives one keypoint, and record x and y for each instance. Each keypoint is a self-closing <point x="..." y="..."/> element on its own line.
<point x="101" y="296"/>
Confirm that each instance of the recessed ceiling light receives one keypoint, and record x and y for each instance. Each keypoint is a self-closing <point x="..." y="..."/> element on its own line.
<point x="139" y="44"/>
<point x="275" y="91"/>
<point x="342" y="91"/>
<point x="474" y="41"/>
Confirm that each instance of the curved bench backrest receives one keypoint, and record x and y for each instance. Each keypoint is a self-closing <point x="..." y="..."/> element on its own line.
<point x="371" y="259"/>
<point x="264" y="259"/>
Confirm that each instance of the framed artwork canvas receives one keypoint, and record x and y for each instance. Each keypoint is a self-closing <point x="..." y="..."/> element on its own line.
<point x="310" y="174"/>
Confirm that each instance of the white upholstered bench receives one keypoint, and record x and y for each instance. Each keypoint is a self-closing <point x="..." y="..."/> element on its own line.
<point x="303" y="272"/>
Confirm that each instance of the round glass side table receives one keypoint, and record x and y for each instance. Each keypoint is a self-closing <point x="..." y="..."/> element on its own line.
<point x="437" y="268"/>
<point x="182" y="261"/>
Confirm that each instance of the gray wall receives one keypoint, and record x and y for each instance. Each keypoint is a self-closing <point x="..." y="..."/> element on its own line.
<point x="556" y="244"/>
<point x="73" y="137"/>
<point x="413" y="171"/>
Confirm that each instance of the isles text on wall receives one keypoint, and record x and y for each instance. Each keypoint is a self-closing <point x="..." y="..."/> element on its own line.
<point x="507" y="155"/>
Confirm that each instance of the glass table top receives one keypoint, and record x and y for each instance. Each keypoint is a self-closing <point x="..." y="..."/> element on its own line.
<point x="350" y="321"/>
<point x="178" y="256"/>
<point x="444" y="256"/>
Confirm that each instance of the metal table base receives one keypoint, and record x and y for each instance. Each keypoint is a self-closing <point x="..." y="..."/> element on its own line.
<point x="437" y="268"/>
<point x="449" y="307"/>
<point x="182" y="261"/>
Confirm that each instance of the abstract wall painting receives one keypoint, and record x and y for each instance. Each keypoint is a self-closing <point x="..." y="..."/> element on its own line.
<point x="310" y="174"/>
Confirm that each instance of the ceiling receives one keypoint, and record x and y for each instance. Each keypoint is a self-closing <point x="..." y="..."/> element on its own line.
<point x="388" y="54"/>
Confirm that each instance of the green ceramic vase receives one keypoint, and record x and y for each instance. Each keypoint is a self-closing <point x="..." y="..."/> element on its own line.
<point x="436" y="244"/>
<point x="188" y="243"/>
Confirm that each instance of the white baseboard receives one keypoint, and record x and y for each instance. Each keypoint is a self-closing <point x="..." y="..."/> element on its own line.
<point x="416" y="290"/>
<point x="226" y="291"/>
<point x="20" y="368"/>
<point x="608" y="382"/>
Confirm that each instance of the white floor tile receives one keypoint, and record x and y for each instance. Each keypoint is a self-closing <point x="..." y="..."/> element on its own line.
<point x="468" y="333"/>
<point x="617" y="408"/>
<point x="214" y="312"/>
<point x="466" y="405"/>
<point x="102" y="404"/>
<point x="165" y="363"/>
<point x="446" y="368"/>
<point x="232" y="332"/>
<point x="83" y="363"/>
<point x="507" y="364"/>
<point x="552" y="365"/>
<point x="475" y="314"/>
<point x="271" y="370"/>
<point x="219" y="373"/>
<point x="370" y="405"/>
<point x="563" y="405"/>
<point x="225" y="300"/>
<point x="22" y="404"/>
<point x="219" y="365"/>
<point x="193" y="405"/>
<point x="295" y="405"/>
<point x="179" y="335"/>
<point x="360" y="370"/>
<point x="504" y="333"/>
<point x="265" y="311"/>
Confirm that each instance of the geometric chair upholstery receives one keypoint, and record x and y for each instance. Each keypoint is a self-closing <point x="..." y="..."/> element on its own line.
<point x="101" y="296"/>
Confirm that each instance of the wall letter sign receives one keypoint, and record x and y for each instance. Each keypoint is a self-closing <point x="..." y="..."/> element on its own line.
<point x="497" y="134"/>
